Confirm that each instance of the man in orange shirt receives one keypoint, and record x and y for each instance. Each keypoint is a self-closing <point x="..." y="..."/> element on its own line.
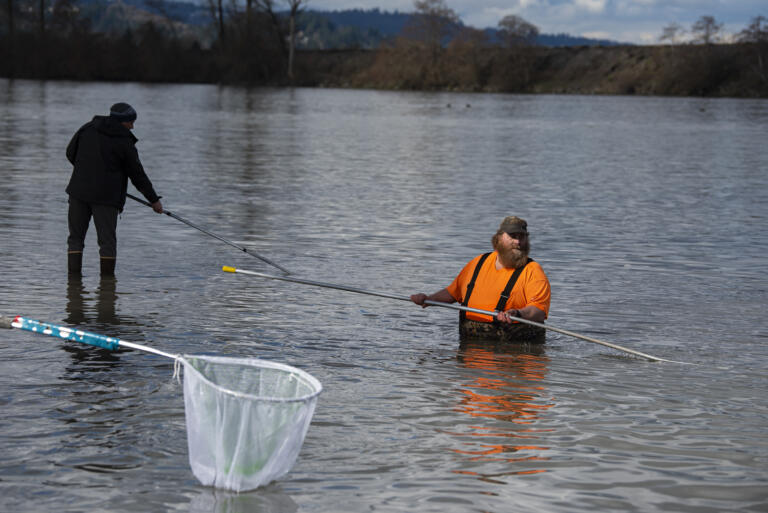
<point x="505" y="280"/>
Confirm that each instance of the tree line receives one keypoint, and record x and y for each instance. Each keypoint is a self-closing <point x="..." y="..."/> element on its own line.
<point x="435" y="51"/>
<point x="57" y="39"/>
<point x="259" y="43"/>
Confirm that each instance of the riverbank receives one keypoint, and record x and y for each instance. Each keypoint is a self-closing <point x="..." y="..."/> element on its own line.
<point x="737" y="70"/>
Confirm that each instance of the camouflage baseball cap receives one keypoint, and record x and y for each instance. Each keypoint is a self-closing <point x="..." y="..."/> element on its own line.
<point x="512" y="224"/>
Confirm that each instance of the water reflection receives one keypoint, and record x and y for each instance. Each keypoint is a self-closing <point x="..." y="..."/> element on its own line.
<point x="264" y="500"/>
<point x="75" y="301"/>
<point x="106" y="297"/>
<point x="505" y="396"/>
<point x="97" y="392"/>
<point x="98" y="313"/>
<point x="103" y="313"/>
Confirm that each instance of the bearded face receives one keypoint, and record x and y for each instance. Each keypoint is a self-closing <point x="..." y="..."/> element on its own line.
<point x="513" y="253"/>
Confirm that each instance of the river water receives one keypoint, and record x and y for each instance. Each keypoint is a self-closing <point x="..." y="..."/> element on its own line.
<point x="649" y="215"/>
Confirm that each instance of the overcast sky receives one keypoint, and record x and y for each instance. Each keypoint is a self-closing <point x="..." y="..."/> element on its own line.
<point x="630" y="21"/>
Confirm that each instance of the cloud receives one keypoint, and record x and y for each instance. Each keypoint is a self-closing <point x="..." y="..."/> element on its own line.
<point x="487" y="17"/>
<point x="591" y="5"/>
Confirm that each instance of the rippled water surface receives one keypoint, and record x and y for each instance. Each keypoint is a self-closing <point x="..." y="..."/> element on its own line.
<point x="650" y="216"/>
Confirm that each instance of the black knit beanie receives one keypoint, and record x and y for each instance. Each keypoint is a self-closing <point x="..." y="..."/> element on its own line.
<point x="122" y="112"/>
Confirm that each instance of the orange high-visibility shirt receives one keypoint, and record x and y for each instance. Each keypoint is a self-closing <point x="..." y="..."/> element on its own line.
<point x="531" y="288"/>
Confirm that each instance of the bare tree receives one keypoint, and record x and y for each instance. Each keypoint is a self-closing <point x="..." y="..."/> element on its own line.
<point x="64" y="17"/>
<point x="706" y="30"/>
<point x="216" y="8"/>
<point x="161" y="7"/>
<point x="41" y="18"/>
<point x="517" y="32"/>
<point x="756" y="32"/>
<point x="672" y="33"/>
<point x="10" y="13"/>
<point x="295" y="7"/>
<point x="251" y="6"/>
<point x="267" y="7"/>
<point x="432" y="24"/>
<point x="467" y="53"/>
<point x="248" y="16"/>
<point x="518" y="36"/>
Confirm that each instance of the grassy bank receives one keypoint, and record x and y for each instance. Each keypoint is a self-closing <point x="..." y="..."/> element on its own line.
<point x="717" y="70"/>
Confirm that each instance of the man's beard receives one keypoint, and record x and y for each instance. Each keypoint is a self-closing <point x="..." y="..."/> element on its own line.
<point x="512" y="258"/>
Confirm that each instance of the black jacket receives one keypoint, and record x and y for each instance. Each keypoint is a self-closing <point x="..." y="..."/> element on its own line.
<point x="104" y="154"/>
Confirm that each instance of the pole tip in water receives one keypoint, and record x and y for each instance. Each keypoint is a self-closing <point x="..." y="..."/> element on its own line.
<point x="228" y="269"/>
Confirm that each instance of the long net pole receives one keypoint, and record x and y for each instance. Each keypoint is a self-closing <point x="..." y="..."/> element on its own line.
<point x="211" y="234"/>
<point x="446" y="305"/>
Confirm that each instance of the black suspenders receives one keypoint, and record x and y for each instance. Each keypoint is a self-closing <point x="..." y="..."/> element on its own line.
<point x="471" y="285"/>
<point x="510" y="285"/>
<point x="505" y="293"/>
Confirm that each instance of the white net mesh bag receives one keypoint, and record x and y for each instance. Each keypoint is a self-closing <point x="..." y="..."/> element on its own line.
<point x="246" y="418"/>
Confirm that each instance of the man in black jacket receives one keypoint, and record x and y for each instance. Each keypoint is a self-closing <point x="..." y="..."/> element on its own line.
<point x="104" y="156"/>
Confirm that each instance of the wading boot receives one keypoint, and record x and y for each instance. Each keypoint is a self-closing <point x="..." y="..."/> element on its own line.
<point x="108" y="266"/>
<point x="75" y="263"/>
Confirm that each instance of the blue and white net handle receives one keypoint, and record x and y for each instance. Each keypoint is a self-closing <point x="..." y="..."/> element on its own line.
<point x="84" y="337"/>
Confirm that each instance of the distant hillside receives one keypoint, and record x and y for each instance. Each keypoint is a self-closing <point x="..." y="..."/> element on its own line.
<point x="385" y="22"/>
<point x="179" y="19"/>
<point x="369" y="27"/>
<point x="344" y="29"/>
<point x="554" y="40"/>
<point x="189" y="13"/>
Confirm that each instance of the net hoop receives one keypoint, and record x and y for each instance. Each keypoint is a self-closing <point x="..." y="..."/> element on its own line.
<point x="313" y="382"/>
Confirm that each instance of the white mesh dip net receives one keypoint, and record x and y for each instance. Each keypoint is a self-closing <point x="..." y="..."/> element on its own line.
<point x="246" y="418"/>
